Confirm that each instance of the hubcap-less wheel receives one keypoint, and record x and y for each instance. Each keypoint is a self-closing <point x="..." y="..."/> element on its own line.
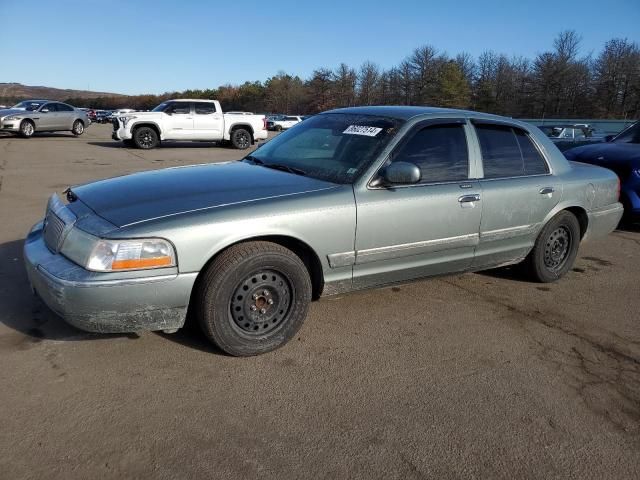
<point x="27" y="129"/>
<point x="243" y="140"/>
<point x="78" y="128"/>
<point x="145" y="139"/>
<point x="261" y="302"/>
<point x="557" y="248"/>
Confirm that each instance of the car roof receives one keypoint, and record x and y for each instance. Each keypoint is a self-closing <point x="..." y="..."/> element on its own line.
<point x="189" y="100"/>
<point x="403" y="112"/>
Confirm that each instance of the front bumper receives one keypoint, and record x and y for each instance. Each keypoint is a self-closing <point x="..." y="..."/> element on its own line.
<point x="10" y="125"/>
<point x="603" y="221"/>
<point x="106" y="302"/>
<point x="120" y="132"/>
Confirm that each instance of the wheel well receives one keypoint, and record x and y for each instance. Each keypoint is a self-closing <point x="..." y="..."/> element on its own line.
<point x="583" y="219"/>
<point x="245" y="126"/>
<point x="79" y="120"/>
<point x="150" y="125"/>
<point x="301" y="249"/>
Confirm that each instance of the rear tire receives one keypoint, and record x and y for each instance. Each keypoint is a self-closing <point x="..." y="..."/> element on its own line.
<point x="145" y="138"/>
<point x="241" y="139"/>
<point x="253" y="298"/>
<point x="78" y="128"/>
<point x="555" y="249"/>
<point x="27" y="129"/>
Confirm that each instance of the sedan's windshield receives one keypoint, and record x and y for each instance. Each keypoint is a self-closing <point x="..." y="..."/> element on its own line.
<point x="28" y="105"/>
<point x="630" y="135"/>
<point x="335" y="147"/>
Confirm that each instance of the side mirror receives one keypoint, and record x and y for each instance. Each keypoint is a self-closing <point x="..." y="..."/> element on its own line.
<point x="401" y="173"/>
<point x="608" y="138"/>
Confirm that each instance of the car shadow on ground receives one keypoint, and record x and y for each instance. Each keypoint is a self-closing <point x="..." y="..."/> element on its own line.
<point x="21" y="310"/>
<point x="116" y="144"/>
<point x="10" y="136"/>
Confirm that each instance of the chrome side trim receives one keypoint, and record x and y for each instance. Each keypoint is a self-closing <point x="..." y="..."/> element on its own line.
<point x="415" y="248"/>
<point x="344" y="259"/>
<point x="504" y="233"/>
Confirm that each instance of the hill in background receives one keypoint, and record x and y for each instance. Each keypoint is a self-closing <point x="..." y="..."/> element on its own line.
<point x="17" y="90"/>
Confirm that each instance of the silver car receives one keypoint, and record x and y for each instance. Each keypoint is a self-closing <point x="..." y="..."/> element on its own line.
<point x="348" y="199"/>
<point x="31" y="116"/>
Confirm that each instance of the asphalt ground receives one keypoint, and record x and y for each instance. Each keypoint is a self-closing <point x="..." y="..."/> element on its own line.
<point x="471" y="376"/>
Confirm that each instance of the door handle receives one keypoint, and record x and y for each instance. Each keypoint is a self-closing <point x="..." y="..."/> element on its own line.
<point x="469" y="198"/>
<point x="546" y="190"/>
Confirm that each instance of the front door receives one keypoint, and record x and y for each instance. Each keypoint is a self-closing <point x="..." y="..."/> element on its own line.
<point x="428" y="228"/>
<point x="518" y="193"/>
<point x="47" y="117"/>
<point x="179" y="121"/>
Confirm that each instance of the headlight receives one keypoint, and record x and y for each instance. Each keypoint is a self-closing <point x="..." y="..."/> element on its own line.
<point x="125" y="120"/>
<point x="14" y="117"/>
<point x="101" y="255"/>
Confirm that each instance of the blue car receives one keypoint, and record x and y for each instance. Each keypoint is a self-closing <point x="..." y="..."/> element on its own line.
<point x="622" y="155"/>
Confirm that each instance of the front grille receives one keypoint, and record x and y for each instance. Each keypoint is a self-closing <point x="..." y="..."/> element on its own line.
<point x="53" y="229"/>
<point x="116" y="124"/>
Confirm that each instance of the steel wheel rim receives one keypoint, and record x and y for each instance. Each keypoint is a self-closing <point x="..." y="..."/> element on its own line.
<point x="261" y="303"/>
<point x="556" y="249"/>
<point x="243" y="140"/>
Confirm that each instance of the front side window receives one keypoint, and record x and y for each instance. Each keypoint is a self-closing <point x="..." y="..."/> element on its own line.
<point x="335" y="147"/>
<point x="205" y="108"/>
<point x="508" y="152"/>
<point x="179" y="108"/>
<point x="439" y="151"/>
<point x="51" y="107"/>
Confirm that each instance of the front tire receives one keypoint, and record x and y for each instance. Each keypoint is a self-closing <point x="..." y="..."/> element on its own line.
<point x="253" y="298"/>
<point x="78" y="128"/>
<point x="241" y="139"/>
<point x="145" y="138"/>
<point x="555" y="249"/>
<point x="27" y="129"/>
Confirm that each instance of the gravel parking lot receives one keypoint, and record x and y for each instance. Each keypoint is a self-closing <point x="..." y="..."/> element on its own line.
<point x="471" y="376"/>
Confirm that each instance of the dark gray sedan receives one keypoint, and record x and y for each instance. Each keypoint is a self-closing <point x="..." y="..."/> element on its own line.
<point x="348" y="199"/>
<point x="31" y="116"/>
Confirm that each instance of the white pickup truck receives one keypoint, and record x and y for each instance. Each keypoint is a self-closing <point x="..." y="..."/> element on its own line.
<point x="187" y="119"/>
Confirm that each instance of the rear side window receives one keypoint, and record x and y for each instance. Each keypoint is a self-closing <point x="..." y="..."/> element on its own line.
<point x="440" y="151"/>
<point x="205" y="108"/>
<point x="64" y="108"/>
<point x="508" y="152"/>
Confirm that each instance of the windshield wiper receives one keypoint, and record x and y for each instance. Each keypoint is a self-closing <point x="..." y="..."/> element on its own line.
<point x="254" y="160"/>
<point x="284" y="168"/>
<point x="275" y="166"/>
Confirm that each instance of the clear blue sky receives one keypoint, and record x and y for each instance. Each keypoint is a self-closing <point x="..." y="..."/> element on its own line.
<point x="145" y="46"/>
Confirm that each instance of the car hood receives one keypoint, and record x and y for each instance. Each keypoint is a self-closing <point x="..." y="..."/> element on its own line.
<point x="5" y="112"/>
<point x="151" y="195"/>
<point x="606" y="153"/>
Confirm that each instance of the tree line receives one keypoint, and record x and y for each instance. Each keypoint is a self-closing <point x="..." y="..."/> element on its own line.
<point x="561" y="82"/>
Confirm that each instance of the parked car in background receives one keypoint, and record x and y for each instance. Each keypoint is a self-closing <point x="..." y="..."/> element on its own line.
<point x="284" y="122"/>
<point x="102" y="116"/>
<point x="568" y="136"/>
<point x="186" y="119"/>
<point x="622" y="155"/>
<point x="349" y="199"/>
<point x="31" y="116"/>
<point x="121" y="111"/>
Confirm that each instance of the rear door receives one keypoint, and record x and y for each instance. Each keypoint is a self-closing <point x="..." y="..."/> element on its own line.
<point x="518" y="191"/>
<point x="179" y="121"/>
<point x="208" y="123"/>
<point x="66" y="116"/>
<point x="412" y="231"/>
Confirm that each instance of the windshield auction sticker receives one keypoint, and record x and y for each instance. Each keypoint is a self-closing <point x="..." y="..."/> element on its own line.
<point x="362" y="130"/>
